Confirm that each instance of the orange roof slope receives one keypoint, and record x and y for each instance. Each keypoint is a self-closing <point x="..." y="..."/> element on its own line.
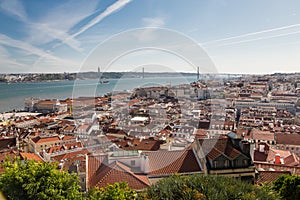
<point x="170" y="162"/>
<point x="117" y="172"/>
<point x="30" y="156"/>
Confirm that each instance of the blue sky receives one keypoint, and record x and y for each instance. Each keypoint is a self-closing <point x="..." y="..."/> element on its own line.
<point x="257" y="36"/>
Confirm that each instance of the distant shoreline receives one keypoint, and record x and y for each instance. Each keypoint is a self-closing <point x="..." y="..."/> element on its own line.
<point x="57" y="77"/>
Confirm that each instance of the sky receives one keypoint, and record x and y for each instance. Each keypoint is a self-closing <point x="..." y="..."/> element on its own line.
<point x="255" y="37"/>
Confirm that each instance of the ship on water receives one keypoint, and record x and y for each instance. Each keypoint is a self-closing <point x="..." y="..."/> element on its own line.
<point x="102" y="81"/>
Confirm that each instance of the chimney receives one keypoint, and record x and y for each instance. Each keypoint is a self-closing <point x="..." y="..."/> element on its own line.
<point x="245" y="146"/>
<point x="277" y="159"/>
<point x="261" y="147"/>
<point x="145" y="164"/>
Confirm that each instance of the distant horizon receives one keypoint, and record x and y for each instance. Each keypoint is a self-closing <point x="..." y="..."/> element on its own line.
<point x="152" y="72"/>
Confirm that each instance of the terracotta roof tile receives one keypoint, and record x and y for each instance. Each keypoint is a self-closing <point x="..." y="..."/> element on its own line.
<point x="117" y="172"/>
<point x="270" y="176"/>
<point x="69" y="155"/>
<point x="232" y="152"/>
<point x="273" y="152"/>
<point x="290" y="139"/>
<point x="94" y="163"/>
<point x="40" y="139"/>
<point x="54" y="138"/>
<point x="170" y="162"/>
<point x="215" y="147"/>
<point x="31" y="156"/>
<point x="146" y="145"/>
<point x="291" y="160"/>
<point x="262" y="135"/>
<point x="214" y="153"/>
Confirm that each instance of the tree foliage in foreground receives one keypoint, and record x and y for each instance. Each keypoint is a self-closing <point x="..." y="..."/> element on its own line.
<point x="37" y="180"/>
<point x="204" y="187"/>
<point x="117" y="191"/>
<point x="288" y="187"/>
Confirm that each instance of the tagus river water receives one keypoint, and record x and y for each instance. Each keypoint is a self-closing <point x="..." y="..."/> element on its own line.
<point x="12" y="95"/>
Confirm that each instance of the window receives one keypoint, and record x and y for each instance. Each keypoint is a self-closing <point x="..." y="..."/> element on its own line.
<point x="245" y="162"/>
<point x="237" y="163"/>
<point x="226" y="164"/>
<point x="215" y="164"/>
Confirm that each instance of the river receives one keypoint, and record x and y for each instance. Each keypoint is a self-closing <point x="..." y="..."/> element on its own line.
<point x="12" y="95"/>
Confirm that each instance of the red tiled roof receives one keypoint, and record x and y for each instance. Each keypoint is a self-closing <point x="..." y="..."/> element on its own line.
<point x="31" y="156"/>
<point x="214" y="153"/>
<point x="291" y="160"/>
<point x="272" y="153"/>
<point x="146" y="145"/>
<point x="231" y="152"/>
<point x="69" y="128"/>
<point x="170" y="162"/>
<point x="69" y="155"/>
<point x="40" y="139"/>
<point x="289" y="139"/>
<point x="214" y="147"/>
<point x="75" y="160"/>
<point x="270" y="176"/>
<point x="65" y="147"/>
<point x="117" y="172"/>
<point x="55" y="149"/>
<point x="68" y="137"/>
<point x="262" y="135"/>
<point x="94" y="163"/>
<point x="73" y="145"/>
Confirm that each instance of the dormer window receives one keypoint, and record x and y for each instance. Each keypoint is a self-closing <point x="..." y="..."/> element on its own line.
<point x="226" y="164"/>
<point x="215" y="164"/>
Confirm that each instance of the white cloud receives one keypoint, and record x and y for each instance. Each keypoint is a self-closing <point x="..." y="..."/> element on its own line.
<point x="58" y="21"/>
<point x="108" y="11"/>
<point x="31" y="50"/>
<point x="43" y="33"/>
<point x="153" y="22"/>
<point x="9" y="63"/>
<point x="14" y="8"/>
<point x="279" y="32"/>
<point x="55" y="25"/>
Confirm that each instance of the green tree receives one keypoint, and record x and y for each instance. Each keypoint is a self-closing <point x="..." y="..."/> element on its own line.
<point x="37" y="180"/>
<point x="117" y="191"/>
<point x="288" y="187"/>
<point x="204" y="187"/>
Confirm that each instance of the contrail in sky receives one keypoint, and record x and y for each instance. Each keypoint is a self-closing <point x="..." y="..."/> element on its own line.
<point x="254" y="33"/>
